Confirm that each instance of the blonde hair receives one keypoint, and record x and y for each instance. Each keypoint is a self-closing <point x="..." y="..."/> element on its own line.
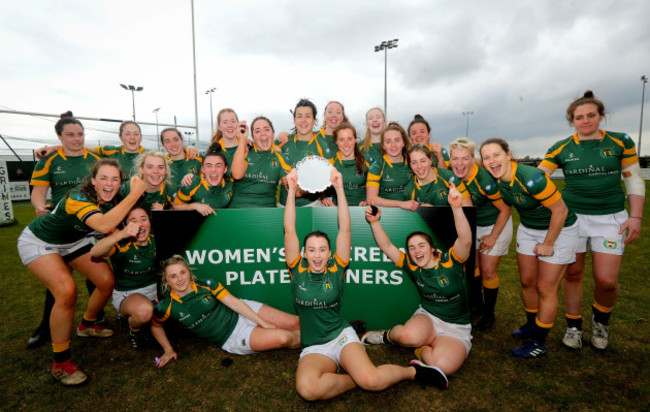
<point x="366" y="137"/>
<point x="174" y="260"/>
<point x="462" y="143"/>
<point x="138" y="164"/>
<point x="219" y="134"/>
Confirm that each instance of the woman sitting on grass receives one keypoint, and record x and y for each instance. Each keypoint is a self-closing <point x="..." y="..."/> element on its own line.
<point x="209" y="311"/>
<point x="328" y="340"/>
<point x="440" y="328"/>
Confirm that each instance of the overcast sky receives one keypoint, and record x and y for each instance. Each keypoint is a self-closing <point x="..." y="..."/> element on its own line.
<point x="515" y="64"/>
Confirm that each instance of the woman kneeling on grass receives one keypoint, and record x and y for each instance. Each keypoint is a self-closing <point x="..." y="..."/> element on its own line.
<point x="329" y="341"/>
<point x="208" y="310"/>
<point x="440" y="328"/>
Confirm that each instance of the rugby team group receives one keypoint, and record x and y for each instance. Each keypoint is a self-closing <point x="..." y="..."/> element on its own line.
<point x="102" y="198"/>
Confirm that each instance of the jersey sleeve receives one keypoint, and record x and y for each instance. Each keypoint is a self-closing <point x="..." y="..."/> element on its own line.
<point x="374" y="175"/>
<point x="629" y="152"/>
<point x="540" y="186"/>
<point x="77" y="205"/>
<point x="161" y="311"/>
<point x="185" y="193"/>
<point x="105" y="151"/>
<point x="41" y="174"/>
<point x="551" y="161"/>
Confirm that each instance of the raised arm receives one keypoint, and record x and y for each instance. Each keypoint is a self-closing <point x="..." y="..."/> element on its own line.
<point x="239" y="166"/>
<point x="104" y="246"/>
<point x="344" y="237"/>
<point x="105" y="222"/>
<point x="291" y="242"/>
<point x="382" y="239"/>
<point x="463" y="243"/>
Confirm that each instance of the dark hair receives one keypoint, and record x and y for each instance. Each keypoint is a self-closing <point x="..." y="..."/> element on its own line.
<point x="66" y="118"/>
<point x="305" y="103"/>
<point x="215" y="150"/>
<point x="422" y="149"/>
<point x="359" y="160"/>
<point x="587" y="98"/>
<point x="261" y="118"/>
<point x="419" y="233"/>
<point x="170" y="129"/>
<point x="88" y="189"/>
<point x="345" y="117"/>
<point x="219" y="134"/>
<point x="396" y="127"/>
<point x="494" y="140"/>
<point x="419" y="119"/>
<point x="317" y="233"/>
<point x="128" y="122"/>
<point x="138" y="205"/>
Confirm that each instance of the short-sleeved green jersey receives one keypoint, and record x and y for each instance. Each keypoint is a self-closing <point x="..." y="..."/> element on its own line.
<point x="182" y="167"/>
<point x="229" y="153"/>
<point x="592" y="171"/>
<point x="293" y="151"/>
<point x="200" y="311"/>
<point x="531" y="192"/>
<point x="217" y="197"/>
<point x="371" y="152"/>
<point x="389" y="178"/>
<point x="317" y="300"/>
<point x="443" y="288"/>
<point x="61" y="173"/>
<point x="328" y="144"/>
<point x="133" y="264"/>
<point x="67" y="222"/>
<point x="164" y="196"/>
<point x="127" y="160"/>
<point x="354" y="184"/>
<point x="258" y="187"/>
<point x="485" y="195"/>
<point x="435" y="192"/>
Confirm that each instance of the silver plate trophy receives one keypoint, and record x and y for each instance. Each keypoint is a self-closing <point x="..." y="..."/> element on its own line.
<point x="314" y="174"/>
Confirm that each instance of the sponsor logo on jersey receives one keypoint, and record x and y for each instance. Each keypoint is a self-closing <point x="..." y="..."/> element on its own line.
<point x="518" y="198"/>
<point x="327" y="286"/>
<point x="443" y="281"/>
<point x="442" y="194"/>
<point x="607" y="153"/>
<point x="192" y="170"/>
<point x="206" y="298"/>
<point x="610" y="244"/>
<point x="274" y="163"/>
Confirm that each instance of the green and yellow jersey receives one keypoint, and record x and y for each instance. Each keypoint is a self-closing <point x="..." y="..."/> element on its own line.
<point x="371" y="152"/>
<point x="61" y="173"/>
<point x="435" y="192"/>
<point x="354" y="184"/>
<point x="485" y="195"/>
<point x="217" y="197"/>
<point x="164" y="196"/>
<point x="127" y="160"/>
<point x="592" y="171"/>
<point x="531" y="192"/>
<point x="293" y="151"/>
<point x="327" y="143"/>
<point x="258" y="187"/>
<point x="390" y="178"/>
<point x="134" y="265"/>
<point x="317" y="300"/>
<point x="182" y="167"/>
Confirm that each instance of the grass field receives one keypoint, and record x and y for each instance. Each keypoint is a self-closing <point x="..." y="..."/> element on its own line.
<point x="491" y="379"/>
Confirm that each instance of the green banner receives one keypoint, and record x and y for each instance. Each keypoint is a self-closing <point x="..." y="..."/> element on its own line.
<point x="244" y="250"/>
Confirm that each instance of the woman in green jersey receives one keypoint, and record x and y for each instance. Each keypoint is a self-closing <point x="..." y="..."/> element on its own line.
<point x="153" y="168"/>
<point x="440" y="328"/>
<point x="593" y="162"/>
<point x="45" y="243"/>
<point x="420" y="133"/>
<point x="334" y="114"/>
<point x="328" y="340"/>
<point x="431" y="184"/>
<point x="257" y="170"/>
<point x="132" y="251"/>
<point x="229" y="132"/>
<point x="209" y="311"/>
<point x="389" y="175"/>
<point x="212" y="189"/>
<point x="494" y="225"/>
<point x="375" y="123"/>
<point x="183" y="160"/>
<point x="350" y="162"/>
<point x="546" y="240"/>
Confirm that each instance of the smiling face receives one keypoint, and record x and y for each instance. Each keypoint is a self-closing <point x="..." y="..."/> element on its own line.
<point x="496" y="161"/>
<point x="317" y="252"/>
<point x="461" y="161"/>
<point x="346" y="141"/>
<point x="178" y="278"/>
<point x="420" y="251"/>
<point x="153" y="172"/>
<point x="131" y="138"/>
<point x="140" y="217"/>
<point x="72" y="139"/>
<point x="586" y="120"/>
<point x="214" y="168"/>
<point x="304" y="120"/>
<point x="107" y="182"/>
<point x="333" y="115"/>
<point x="262" y="134"/>
<point x="421" y="165"/>
<point x="375" y="121"/>
<point x="393" y="145"/>
<point x="419" y="134"/>
<point x="228" y="125"/>
<point x="173" y="143"/>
